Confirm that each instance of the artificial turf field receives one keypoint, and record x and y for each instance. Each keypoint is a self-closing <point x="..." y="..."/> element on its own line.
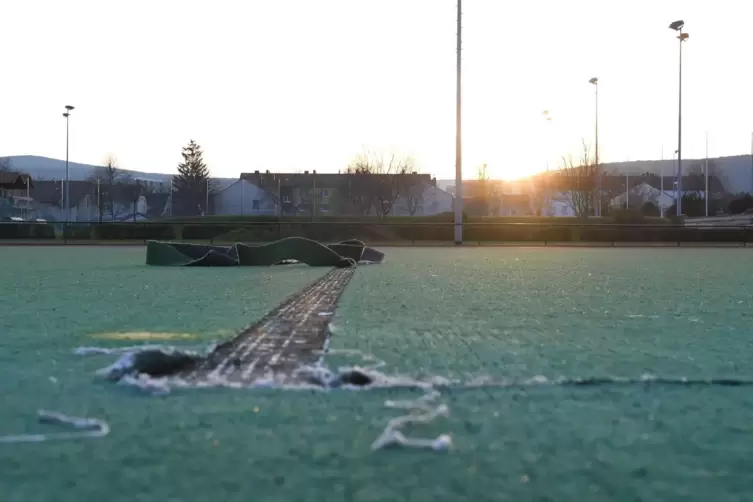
<point x="521" y="315"/>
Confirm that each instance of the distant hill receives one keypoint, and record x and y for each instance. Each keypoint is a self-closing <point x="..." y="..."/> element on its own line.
<point x="737" y="171"/>
<point x="44" y="168"/>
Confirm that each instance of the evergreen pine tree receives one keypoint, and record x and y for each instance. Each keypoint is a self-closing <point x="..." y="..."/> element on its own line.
<point x="192" y="183"/>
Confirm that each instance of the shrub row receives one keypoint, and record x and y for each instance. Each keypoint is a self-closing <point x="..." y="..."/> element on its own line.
<point x="268" y="232"/>
<point x="621" y="216"/>
<point x="121" y="232"/>
<point x="26" y="231"/>
<point x="603" y="233"/>
<point x="444" y="232"/>
<point x="384" y="232"/>
<point x="220" y="219"/>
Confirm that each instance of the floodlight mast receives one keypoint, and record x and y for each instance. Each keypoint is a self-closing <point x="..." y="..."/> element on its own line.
<point x="597" y="206"/>
<point x="67" y="207"/>
<point x="681" y="36"/>
<point x="458" y="136"/>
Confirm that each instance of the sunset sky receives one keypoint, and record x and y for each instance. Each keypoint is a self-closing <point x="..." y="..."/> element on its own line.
<point x="298" y="85"/>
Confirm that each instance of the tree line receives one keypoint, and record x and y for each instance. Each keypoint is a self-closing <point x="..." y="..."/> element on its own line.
<point x="375" y="182"/>
<point x="584" y="187"/>
<point x="372" y="184"/>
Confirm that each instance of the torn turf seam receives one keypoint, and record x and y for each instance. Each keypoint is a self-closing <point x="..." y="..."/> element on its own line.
<point x="291" y="336"/>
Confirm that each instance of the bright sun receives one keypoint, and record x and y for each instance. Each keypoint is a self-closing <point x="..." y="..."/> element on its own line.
<point x="509" y="172"/>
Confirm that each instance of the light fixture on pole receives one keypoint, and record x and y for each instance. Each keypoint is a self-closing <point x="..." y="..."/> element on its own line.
<point x="67" y="114"/>
<point x="681" y="36"/>
<point x="595" y="82"/>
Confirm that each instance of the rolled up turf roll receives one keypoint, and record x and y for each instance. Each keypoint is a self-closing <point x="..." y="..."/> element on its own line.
<point x="315" y="254"/>
<point x="290" y="248"/>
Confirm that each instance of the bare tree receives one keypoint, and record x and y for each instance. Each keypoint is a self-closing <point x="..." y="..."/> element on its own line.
<point x="577" y="180"/>
<point x="485" y="191"/>
<point x="376" y="181"/>
<point x="696" y="173"/>
<point x="132" y="190"/>
<point x="355" y="195"/>
<point x="6" y="164"/>
<point x="414" y="190"/>
<point x="540" y="193"/>
<point x="109" y="177"/>
<point x="311" y="199"/>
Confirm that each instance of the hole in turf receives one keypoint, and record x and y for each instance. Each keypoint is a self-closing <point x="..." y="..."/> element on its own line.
<point x="156" y="363"/>
<point x="355" y="377"/>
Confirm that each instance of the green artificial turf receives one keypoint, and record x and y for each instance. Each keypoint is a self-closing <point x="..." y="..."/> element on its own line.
<point x="505" y="313"/>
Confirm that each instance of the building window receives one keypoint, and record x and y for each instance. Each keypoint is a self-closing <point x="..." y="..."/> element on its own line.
<point x="325" y="193"/>
<point x="255" y="205"/>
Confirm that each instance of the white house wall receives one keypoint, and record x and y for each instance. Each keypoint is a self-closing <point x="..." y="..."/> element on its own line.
<point x="558" y="207"/>
<point x="646" y="193"/>
<point x="434" y="201"/>
<point x="238" y="199"/>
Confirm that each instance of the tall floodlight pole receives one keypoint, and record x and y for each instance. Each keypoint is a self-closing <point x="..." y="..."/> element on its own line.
<point x="595" y="82"/>
<point x="548" y="185"/>
<point x="677" y="26"/>
<point x="458" y="138"/>
<point x="67" y="115"/>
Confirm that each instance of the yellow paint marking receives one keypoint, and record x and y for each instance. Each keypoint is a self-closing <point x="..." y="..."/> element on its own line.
<point x="145" y="335"/>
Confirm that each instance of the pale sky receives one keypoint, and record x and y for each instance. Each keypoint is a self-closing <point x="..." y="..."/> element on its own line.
<point x="301" y="84"/>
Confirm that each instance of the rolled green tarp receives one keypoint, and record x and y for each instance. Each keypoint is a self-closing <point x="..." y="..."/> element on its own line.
<point x="299" y="249"/>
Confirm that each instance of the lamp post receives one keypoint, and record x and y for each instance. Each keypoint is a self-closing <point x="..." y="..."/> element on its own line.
<point x="548" y="185"/>
<point x="681" y="36"/>
<point x="67" y="114"/>
<point x="595" y="82"/>
<point x="458" y="137"/>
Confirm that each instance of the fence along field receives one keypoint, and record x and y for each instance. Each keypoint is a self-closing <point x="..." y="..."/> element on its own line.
<point x="392" y="230"/>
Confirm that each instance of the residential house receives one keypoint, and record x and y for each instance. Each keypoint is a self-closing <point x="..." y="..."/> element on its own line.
<point x="637" y="196"/>
<point x="14" y="194"/>
<point x="558" y="205"/>
<point x="48" y="200"/>
<point x="92" y="202"/>
<point x="497" y="197"/>
<point x="638" y="190"/>
<point x="243" y="198"/>
<point x="423" y="199"/>
<point x="298" y="193"/>
<point x="328" y="193"/>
